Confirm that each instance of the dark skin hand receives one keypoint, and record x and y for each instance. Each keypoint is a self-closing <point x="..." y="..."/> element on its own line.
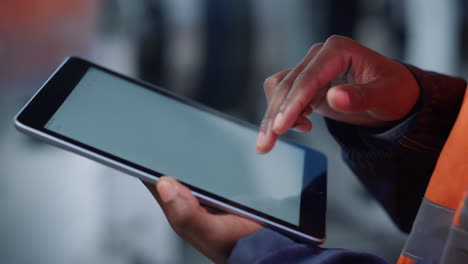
<point x="339" y="79"/>
<point x="214" y="235"/>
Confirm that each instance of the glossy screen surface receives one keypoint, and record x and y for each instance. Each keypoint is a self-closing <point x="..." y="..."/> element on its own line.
<point x="171" y="137"/>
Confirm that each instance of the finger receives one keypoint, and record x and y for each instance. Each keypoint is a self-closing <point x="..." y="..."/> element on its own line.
<point x="307" y="111"/>
<point x="266" y="140"/>
<point x="266" y="137"/>
<point x="152" y="189"/>
<point x="180" y="206"/>
<point x="281" y="89"/>
<point x="168" y="192"/>
<point x="183" y="211"/>
<point x="303" y="125"/>
<point x="272" y="81"/>
<point x="309" y="87"/>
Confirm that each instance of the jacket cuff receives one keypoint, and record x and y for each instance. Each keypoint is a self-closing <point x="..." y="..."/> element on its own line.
<point x="258" y="245"/>
<point x="440" y="102"/>
<point x="268" y="247"/>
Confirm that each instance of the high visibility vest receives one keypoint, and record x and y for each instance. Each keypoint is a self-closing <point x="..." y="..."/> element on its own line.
<point x="440" y="230"/>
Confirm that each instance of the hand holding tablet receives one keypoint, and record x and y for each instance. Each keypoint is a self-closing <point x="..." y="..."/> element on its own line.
<point x="212" y="234"/>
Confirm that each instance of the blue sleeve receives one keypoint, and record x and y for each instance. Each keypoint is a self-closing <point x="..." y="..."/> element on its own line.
<point x="267" y="246"/>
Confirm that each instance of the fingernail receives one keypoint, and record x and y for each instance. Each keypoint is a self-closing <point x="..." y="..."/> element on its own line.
<point x="166" y="191"/>
<point x="261" y="139"/>
<point x="301" y="128"/>
<point x="346" y="97"/>
<point x="278" y="121"/>
<point x="341" y="99"/>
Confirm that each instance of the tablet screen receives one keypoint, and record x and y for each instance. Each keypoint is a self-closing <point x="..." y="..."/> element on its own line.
<point x="173" y="138"/>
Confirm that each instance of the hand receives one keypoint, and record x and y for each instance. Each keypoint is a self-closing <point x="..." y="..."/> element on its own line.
<point x="214" y="235"/>
<point x="339" y="79"/>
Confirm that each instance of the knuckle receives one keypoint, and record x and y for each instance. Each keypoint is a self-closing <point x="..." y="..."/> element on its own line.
<point x="265" y="121"/>
<point x="285" y="84"/>
<point x="271" y="82"/>
<point x="309" y="88"/>
<point x="303" y="80"/>
<point x="336" y="38"/>
<point x="263" y="124"/>
<point x="341" y="43"/>
<point x="337" y="41"/>
<point x="267" y="118"/>
<point x="268" y="83"/>
<point x="315" y="47"/>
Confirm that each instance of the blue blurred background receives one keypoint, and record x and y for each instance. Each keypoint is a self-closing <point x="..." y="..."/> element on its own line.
<point x="57" y="207"/>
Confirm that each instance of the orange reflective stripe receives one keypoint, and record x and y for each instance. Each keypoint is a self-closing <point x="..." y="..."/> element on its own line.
<point x="450" y="178"/>
<point x="405" y="260"/>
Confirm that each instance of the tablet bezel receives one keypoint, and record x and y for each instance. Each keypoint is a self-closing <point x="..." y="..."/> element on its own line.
<point x="38" y="111"/>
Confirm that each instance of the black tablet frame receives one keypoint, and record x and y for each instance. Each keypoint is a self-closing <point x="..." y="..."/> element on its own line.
<point x="34" y="116"/>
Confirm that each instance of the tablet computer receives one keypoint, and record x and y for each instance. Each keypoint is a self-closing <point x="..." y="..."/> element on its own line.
<point x="147" y="132"/>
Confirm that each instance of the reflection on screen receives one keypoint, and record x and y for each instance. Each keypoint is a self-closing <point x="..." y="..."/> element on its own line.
<point x="175" y="139"/>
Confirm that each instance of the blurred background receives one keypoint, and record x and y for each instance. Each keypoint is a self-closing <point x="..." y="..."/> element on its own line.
<point x="57" y="207"/>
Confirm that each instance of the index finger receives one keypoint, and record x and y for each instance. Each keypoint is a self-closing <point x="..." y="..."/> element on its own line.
<point x="310" y="87"/>
<point x="272" y="82"/>
<point x="267" y="138"/>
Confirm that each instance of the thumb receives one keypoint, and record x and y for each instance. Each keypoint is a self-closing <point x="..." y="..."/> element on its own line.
<point x="181" y="207"/>
<point x="374" y="103"/>
<point x="176" y="200"/>
<point x="347" y="98"/>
